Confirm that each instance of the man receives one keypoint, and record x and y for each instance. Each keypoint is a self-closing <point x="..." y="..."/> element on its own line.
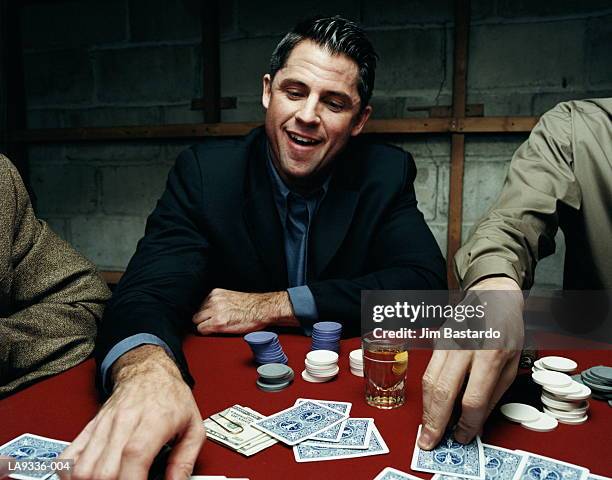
<point x="282" y="228"/>
<point x="50" y="296"/>
<point x="560" y="177"/>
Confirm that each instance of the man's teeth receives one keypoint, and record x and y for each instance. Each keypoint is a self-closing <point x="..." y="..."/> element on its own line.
<point x="302" y="140"/>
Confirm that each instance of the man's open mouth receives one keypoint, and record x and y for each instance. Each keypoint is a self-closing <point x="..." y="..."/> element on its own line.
<point x="303" y="141"/>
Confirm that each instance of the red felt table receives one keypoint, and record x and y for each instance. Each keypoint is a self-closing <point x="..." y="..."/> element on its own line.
<point x="59" y="407"/>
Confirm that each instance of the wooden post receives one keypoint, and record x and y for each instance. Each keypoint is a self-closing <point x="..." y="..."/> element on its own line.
<point x="211" y="72"/>
<point x="455" y="200"/>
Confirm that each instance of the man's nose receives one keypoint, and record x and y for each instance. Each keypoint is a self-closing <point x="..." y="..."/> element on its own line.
<point x="308" y="113"/>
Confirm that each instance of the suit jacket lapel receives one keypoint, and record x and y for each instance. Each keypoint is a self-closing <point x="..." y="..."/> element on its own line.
<point x="261" y="216"/>
<point x="334" y="216"/>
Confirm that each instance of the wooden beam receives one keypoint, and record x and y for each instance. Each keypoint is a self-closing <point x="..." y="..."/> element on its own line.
<point x="211" y="84"/>
<point x="180" y="131"/>
<point x="455" y="200"/>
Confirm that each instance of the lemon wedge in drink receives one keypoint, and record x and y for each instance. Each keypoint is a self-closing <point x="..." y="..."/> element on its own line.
<point x="400" y="367"/>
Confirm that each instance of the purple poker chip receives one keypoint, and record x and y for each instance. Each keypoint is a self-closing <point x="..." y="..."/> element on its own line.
<point x="328" y="327"/>
<point x="259" y="338"/>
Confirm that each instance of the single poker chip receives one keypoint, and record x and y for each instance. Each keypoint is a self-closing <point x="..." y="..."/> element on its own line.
<point x="520" y="412"/>
<point x="596" y="386"/>
<point x="322" y="357"/>
<point x="573" y="421"/>
<point x="602" y="372"/>
<point x="548" y="378"/>
<point x="356" y="355"/>
<point x="326" y="374"/>
<point x="583" y="394"/>
<point x="309" y="378"/>
<point x="559" y="364"/>
<point x="538" y="365"/>
<point x="564" y="414"/>
<point x="258" y="338"/>
<point x="545" y="423"/>
<point x="319" y="368"/>
<point x="357" y="373"/>
<point x="562" y="405"/>
<point x="267" y="387"/>
<point x="572" y="388"/>
<point x="274" y="371"/>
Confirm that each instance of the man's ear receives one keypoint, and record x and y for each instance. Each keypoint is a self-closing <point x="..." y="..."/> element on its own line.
<point x="361" y="120"/>
<point x="266" y="90"/>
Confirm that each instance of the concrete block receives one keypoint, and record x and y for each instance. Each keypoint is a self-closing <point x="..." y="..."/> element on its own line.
<point x="248" y="109"/>
<point x="426" y="186"/>
<point x="244" y="62"/>
<point x="481" y="186"/>
<point x="163" y="20"/>
<point x="492" y="148"/>
<point x="114" y="152"/>
<point x="181" y="114"/>
<point x="599" y="37"/>
<point x="46" y="154"/>
<point x="111" y="116"/>
<point x="132" y="189"/>
<point x="148" y="74"/>
<point x="549" y="271"/>
<point x="386" y="107"/>
<point x="409" y="59"/>
<point x="65" y="188"/>
<point x="107" y="241"/>
<point x="276" y="17"/>
<point x="503" y="56"/>
<point x="542" y="102"/>
<point x="425" y="146"/>
<point x="44" y="118"/>
<point x="401" y="12"/>
<point x="529" y="8"/>
<point x="58" y="78"/>
<point x="70" y="24"/>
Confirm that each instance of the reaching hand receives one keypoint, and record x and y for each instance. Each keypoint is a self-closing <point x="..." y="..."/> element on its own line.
<point x="491" y="371"/>
<point x="226" y="311"/>
<point x="150" y="406"/>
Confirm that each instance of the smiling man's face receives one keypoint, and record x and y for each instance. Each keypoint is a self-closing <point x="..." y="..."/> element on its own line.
<point x="313" y="108"/>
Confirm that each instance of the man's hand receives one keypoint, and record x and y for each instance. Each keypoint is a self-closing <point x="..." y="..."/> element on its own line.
<point x="150" y="406"/>
<point x="226" y="311"/>
<point x="491" y="372"/>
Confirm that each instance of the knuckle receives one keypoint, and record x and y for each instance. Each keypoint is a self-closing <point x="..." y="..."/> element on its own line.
<point x="441" y="392"/>
<point x="132" y="450"/>
<point x="473" y="404"/>
<point x="428" y="383"/>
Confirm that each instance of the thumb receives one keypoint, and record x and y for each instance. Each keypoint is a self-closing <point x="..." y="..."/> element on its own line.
<point x="185" y="452"/>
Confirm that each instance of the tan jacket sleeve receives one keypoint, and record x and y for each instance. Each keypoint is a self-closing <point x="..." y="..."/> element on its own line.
<point x="51" y="298"/>
<point x="520" y="228"/>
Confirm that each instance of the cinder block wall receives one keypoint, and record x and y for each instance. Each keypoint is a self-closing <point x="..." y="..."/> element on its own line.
<point x="131" y="62"/>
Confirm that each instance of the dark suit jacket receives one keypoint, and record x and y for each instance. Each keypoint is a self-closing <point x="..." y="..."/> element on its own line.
<point x="217" y="226"/>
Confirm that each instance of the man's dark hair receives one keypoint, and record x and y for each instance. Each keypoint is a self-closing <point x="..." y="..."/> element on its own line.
<point x="337" y="35"/>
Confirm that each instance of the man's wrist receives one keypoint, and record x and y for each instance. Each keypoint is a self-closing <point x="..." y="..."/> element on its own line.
<point x="280" y="310"/>
<point x="501" y="282"/>
<point x="142" y="360"/>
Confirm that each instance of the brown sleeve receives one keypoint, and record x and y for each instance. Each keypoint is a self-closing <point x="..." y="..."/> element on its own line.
<point x="520" y="228"/>
<point x="51" y="298"/>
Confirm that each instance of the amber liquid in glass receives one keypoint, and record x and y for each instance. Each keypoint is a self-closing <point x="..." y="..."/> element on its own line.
<point x="385" y="377"/>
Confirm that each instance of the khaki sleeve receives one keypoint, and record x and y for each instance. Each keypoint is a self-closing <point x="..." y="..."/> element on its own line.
<point x="520" y="228"/>
<point x="51" y="297"/>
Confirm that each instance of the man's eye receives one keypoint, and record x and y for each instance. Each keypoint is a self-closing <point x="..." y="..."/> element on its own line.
<point x="293" y="94"/>
<point x="335" y="106"/>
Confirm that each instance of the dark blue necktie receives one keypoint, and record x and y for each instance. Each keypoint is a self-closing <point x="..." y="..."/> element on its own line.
<point x="298" y="219"/>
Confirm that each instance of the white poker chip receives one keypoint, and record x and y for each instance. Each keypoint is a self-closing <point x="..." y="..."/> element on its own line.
<point x="559" y="364"/>
<point x="357" y="373"/>
<point x="585" y="392"/>
<point x="322" y="357"/>
<point x="326" y="374"/>
<point x="564" y="414"/>
<point x="573" y="421"/>
<point x="356" y="356"/>
<point x="572" y="388"/>
<point x="520" y="412"/>
<point x="547" y="378"/>
<point x="538" y="365"/>
<point x="306" y="376"/>
<point x="563" y="405"/>
<point x="545" y="423"/>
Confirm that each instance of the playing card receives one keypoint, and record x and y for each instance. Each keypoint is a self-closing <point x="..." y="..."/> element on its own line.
<point x="33" y="448"/>
<point x="333" y="433"/>
<point x="451" y="458"/>
<point x="392" y="474"/>
<point x="356" y="434"/>
<point x="306" y="453"/>
<point x="299" y="422"/>
<point x="540" y="467"/>
<point x="500" y="464"/>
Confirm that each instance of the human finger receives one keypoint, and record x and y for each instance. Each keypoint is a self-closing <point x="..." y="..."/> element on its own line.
<point x="445" y="391"/>
<point x="436" y="363"/>
<point x="184" y="454"/>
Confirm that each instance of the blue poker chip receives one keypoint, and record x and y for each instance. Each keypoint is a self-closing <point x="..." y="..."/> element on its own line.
<point x="330" y="327"/>
<point x="259" y="338"/>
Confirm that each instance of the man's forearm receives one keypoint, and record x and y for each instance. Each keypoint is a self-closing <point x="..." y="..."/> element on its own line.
<point x="142" y="360"/>
<point x="278" y="310"/>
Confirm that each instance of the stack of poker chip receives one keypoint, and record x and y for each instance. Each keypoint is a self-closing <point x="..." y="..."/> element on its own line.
<point x="563" y="398"/>
<point x="599" y="380"/>
<point x="356" y="362"/>
<point x="326" y="336"/>
<point x="321" y="366"/>
<point x="274" y="377"/>
<point x="266" y="347"/>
